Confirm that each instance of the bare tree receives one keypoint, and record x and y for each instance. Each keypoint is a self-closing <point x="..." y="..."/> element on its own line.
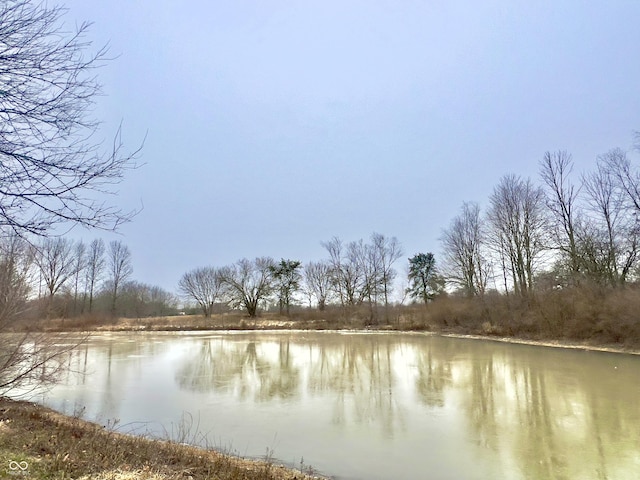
<point x="120" y="269"/>
<point x="517" y="218"/>
<point x="619" y="166"/>
<point x="52" y="165"/>
<point x="317" y="277"/>
<point x="94" y="268"/>
<point x="80" y="263"/>
<point x="463" y="244"/>
<point x="362" y="268"/>
<point x="53" y="168"/>
<point x="385" y="251"/>
<point x="613" y="241"/>
<point x="363" y="272"/>
<point x="204" y="285"/>
<point x="562" y="199"/>
<point x="16" y="258"/>
<point x="335" y="249"/>
<point x="347" y="271"/>
<point x="248" y="282"/>
<point x="55" y="261"/>
<point x="27" y="360"/>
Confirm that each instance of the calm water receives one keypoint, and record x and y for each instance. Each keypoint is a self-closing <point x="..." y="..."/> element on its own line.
<point x="372" y="406"/>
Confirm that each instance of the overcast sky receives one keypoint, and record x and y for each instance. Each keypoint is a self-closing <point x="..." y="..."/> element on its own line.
<point x="275" y="125"/>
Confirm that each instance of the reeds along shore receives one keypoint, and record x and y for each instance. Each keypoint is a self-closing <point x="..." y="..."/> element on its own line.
<point x="590" y="315"/>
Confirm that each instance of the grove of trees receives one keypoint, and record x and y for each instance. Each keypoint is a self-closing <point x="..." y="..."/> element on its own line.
<point x="60" y="278"/>
<point x="568" y="231"/>
<point x="354" y="274"/>
<point x="565" y="231"/>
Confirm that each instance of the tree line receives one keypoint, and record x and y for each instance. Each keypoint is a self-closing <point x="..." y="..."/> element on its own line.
<point x="355" y="273"/>
<point x="565" y="232"/>
<point x="569" y="231"/>
<point x="59" y="277"/>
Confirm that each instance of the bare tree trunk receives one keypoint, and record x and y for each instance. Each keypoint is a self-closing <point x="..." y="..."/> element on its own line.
<point x="95" y="268"/>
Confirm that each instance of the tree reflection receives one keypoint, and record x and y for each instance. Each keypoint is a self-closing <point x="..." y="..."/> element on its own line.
<point x="244" y="368"/>
<point x="357" y="375"/>
<point x="523" y="405"/>
<point x="364" y="390"/>
<point x="531" y="412"/>
<point x="434" y="374"/>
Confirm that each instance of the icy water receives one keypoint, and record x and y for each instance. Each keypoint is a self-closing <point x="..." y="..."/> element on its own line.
<point x="370" y="405"/>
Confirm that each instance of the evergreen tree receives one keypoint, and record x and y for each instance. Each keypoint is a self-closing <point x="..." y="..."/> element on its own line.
<point x="287" y="277"/>
<point x="424" y="281"/>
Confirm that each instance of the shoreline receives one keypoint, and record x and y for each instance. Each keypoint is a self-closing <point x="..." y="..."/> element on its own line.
<point x="59" y="445"/>
<point x="455" y="325"/>
<point x="262" y="325"/>
<point x="39" y="442"/>
<point x="547" y="343"/>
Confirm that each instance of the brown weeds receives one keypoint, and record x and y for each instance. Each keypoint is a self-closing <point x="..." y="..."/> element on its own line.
<point x="55" y="446"/>
<point x="589" y="313"/>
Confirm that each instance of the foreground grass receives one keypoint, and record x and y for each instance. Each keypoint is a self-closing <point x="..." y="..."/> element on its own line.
<point x="38" y="443"/>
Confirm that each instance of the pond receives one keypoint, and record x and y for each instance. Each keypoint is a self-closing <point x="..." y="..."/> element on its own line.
<point x="369" y="405"/>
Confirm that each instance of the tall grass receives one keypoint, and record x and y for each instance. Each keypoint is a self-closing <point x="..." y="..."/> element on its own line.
<point x="588" y="313"/>
<point x="585" y="313"/>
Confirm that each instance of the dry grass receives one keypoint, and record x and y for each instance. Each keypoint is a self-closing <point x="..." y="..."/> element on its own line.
<point x="56" y="446"/>
<point x="590" y="314"/>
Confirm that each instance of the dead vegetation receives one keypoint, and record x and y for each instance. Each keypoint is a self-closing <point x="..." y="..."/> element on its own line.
<point x="592" y="314"/>
<point x="40" y="444"/>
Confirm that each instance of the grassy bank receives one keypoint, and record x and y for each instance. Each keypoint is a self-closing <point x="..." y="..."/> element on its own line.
<point x="38" y="443"/>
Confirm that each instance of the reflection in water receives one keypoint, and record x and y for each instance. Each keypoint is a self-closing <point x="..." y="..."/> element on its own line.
<point x="359" y="372"/>
<point x="244" y="368"/>
<point x="433" y="375"/>
<point x="380" y="405"/>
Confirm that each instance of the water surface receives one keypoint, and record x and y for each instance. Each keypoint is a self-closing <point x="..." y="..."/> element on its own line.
<point x="370" y="406"/>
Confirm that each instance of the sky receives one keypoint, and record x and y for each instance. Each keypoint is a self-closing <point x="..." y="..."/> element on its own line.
<point x="273" y="126"/>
